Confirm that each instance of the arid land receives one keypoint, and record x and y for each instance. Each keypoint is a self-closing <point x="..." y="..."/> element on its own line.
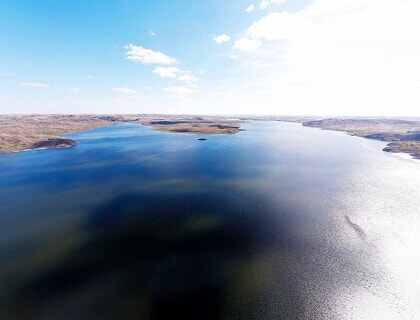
<point x="23" y="132"/>
<point x="403" y="135"/>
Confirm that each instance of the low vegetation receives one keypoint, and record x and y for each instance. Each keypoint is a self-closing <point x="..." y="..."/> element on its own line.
<point x="403" y="135"/>
<point x="22" y="132"/>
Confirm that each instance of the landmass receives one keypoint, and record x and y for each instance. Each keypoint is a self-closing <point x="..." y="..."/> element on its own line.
<point x="23" y="132"/>
<point x="27" y="132"/>
<point x="192" y="124"/>
<point x="296" y="119"/>
<point x="403" y="135"/>
<point x="54" y="143"/>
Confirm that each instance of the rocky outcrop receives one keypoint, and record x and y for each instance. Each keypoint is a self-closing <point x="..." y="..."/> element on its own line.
<point x="54" y="143"/>
<point x="410" y="147"/>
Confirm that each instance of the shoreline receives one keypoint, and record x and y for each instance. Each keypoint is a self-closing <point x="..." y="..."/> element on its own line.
<point x="402" y="136"/>
<point x="43" y="148"/>
<point x="38" y="132"/>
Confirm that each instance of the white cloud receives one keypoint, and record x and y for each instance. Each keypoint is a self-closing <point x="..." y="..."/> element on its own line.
<point x="222" y="38"/>
<point x="73" y="90"/>
<point x="340" y="56"/>
<point x="35" y="84"/>
<point x="175" y="73"/>
<point x="178" y="92"/>
<point x="250" y="8"/>
<point x="147" y="56"/>
<point x="124" y="90"/>
<point x="187" y="78"/>
<point x="247" y="44"/>
<point x="152" y="33"/>
<point x="281" y="26"/>
<point x="264" y="4"/>
<point x="334" y="21"/>
<point x="169" y="72"/>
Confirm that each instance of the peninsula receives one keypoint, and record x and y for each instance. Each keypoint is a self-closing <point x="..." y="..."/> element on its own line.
<point x="403" y="135"/>
<point x="26" y="132"/>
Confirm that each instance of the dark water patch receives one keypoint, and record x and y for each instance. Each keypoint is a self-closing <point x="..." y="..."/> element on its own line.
<point x="138" y="224"/>
<point x="174" y="259"/>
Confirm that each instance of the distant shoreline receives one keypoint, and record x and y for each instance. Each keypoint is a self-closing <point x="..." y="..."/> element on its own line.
<point x="44" y="148"/>
<point x="403" y="135"/>
<point x="35" y="132"/>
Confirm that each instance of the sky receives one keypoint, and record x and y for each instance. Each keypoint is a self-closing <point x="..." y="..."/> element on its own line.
<point x="269" y="57"/>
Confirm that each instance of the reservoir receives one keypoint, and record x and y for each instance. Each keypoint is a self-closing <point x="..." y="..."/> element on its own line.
<point x="278" y="221"/>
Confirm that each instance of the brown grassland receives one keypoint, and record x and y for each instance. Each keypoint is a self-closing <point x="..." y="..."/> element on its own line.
<point x="22" y="132"/>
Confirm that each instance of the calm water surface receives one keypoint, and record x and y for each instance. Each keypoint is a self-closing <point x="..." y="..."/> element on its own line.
<point x="276" y="222"/>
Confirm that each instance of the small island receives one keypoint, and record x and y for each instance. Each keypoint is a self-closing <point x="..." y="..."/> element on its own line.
<point x="192" y="124"/>
<point x="27" y="132"/>
<point x="54" y="143"/>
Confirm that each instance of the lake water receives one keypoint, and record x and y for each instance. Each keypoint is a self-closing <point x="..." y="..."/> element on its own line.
<point x="279" y="221"/>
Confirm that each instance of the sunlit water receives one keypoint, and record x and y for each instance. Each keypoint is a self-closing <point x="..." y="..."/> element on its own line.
<point x="277" y="222"/>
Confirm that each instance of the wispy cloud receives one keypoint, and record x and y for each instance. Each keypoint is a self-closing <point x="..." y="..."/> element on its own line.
<point x="222" y="38"/>
<point x="35" y="84"/>
<point x="45" y="85"/>
<point x="178" y="92"/>
<point x="68" y="90"/>
<point x="124" y="90"/>
<point x="247" y="44"/>
<point x="264" y="4"/>
<point x="187" y="78"/>
<point x="250" y="8"/>
<point x="169" y="72"/>
<point x="73" y="90"/>
<point x="175" y="73"/>
<point x="130" y="99"/>
<point x="338" y="53"/>
<point x="147" y="56"/>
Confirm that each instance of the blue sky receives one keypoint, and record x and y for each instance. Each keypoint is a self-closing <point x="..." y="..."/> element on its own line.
<point x="331" y="57"/>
